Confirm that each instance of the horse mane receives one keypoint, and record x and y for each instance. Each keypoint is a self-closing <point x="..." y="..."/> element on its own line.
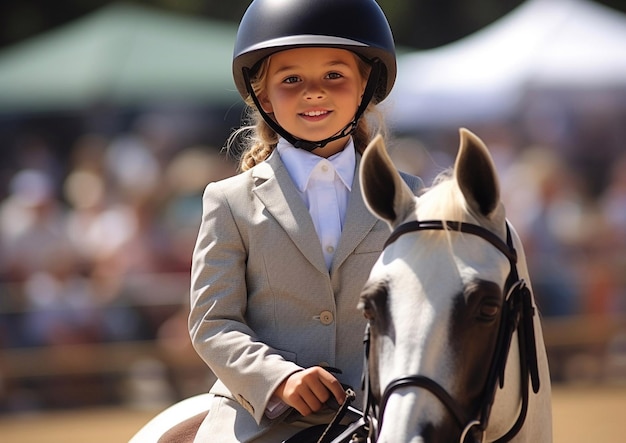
<point x="446" y="202"/>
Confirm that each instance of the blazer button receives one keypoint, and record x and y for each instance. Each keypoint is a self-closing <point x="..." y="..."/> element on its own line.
<point x="326" y="317"/>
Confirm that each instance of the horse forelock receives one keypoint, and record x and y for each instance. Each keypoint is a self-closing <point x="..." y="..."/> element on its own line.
<point x="445" y="201"/>
<point x="442" y="201"/>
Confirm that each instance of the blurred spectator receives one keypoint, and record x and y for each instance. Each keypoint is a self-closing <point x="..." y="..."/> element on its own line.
<point x="186" y="176"/>
<point x="612" y="207"/>
<point x="544" y="203"/>
<point x="37" y="255"/>
<point x="31" y="224"/>
<point x="613" y="202"/>
<point x="61" y="305"/>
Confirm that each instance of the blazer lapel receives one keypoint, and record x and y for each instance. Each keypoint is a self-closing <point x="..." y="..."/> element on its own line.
<point x="358" y="223"/>
<point x="276" y="190"/>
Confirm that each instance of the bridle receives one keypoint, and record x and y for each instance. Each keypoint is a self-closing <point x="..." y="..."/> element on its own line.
<point x="516" y="315"/>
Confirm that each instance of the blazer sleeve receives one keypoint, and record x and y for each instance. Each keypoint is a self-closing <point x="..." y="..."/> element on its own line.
<point x="249" y="369"/>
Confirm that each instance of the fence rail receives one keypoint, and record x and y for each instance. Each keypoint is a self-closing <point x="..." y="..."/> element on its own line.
<point x="580" y="332"/>
<point x="91" y="359"/>
<point x="589" y="348"/>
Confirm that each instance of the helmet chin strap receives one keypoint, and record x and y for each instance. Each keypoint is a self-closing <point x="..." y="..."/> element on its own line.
<point x="368" y="94"/>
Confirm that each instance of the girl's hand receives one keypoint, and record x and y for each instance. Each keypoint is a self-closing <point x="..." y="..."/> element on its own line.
<point x="308" y="390"/>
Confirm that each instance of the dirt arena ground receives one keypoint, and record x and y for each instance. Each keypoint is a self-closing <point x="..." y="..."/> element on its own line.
<point x="581" y="414"/>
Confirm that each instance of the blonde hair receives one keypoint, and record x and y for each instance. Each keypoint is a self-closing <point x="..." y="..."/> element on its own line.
<point x="255" y="141"/>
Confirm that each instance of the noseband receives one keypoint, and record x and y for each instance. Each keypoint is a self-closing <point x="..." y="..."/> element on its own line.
<point x="516" y="315"/>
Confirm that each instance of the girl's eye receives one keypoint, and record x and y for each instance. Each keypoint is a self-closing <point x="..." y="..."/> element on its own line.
<point x="292" y="79"/>
<point x="334" y="75"/>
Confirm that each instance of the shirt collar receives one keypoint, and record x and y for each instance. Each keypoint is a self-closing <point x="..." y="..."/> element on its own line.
<point x="300" y="163"/>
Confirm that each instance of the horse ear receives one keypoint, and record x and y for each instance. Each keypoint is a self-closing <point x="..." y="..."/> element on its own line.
<point x="476" y="174"/>
<point x="386" y="194"/>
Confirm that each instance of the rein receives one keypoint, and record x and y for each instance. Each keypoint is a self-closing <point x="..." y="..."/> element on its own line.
<point x="517" y="315"/>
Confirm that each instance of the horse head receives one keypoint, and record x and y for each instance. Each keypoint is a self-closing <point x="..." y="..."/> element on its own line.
<point x="444" y="363"/>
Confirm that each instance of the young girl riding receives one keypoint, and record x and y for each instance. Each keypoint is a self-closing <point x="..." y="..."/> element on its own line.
<point x="285" y="247"/>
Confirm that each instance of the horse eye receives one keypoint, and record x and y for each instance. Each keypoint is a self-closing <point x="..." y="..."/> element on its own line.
<point x="373" y="300"/>
<point x="488" y="311"/>
<point x="366" y="308"/>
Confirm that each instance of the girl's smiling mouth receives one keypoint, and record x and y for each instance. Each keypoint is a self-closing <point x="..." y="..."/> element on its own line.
<point x="315" y="115"/>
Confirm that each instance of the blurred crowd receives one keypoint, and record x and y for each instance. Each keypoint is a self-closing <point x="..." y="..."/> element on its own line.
<point x="87" y="245"/>
<point x="569" y="209"/>
<point x="98" y="249"/>
<point x="574" y="238"/>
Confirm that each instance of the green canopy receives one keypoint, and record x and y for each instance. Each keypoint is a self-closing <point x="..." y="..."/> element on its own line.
<point x="120" y="55"/>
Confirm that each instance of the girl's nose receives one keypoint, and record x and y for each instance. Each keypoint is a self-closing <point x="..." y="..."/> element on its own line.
<point x="314" y="92"/>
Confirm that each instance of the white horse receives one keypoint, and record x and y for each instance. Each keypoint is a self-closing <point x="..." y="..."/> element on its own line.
<point x="456" y="352"/>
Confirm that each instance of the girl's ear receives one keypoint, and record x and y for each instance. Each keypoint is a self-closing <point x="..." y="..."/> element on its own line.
<point x="363" y="86"/>
<point x="266" y="104"/>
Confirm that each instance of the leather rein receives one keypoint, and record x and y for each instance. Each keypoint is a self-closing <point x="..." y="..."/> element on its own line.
<point x="516" y="315"/>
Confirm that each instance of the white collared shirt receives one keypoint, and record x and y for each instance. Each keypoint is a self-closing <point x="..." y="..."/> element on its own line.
<point x="324" y="185"/>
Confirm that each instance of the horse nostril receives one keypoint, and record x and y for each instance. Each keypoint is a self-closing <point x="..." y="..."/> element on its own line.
<point x="428" y="433"/>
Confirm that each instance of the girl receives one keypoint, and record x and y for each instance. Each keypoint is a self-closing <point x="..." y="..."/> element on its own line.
<point x="285" y="247"/>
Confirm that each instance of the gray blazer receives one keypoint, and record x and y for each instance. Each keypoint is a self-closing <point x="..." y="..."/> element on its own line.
<point x="263" y="302"/>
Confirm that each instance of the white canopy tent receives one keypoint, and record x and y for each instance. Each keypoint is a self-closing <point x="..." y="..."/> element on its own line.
<point x="549" y="44"/>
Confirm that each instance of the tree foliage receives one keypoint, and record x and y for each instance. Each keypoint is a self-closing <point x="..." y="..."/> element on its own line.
<point x="420" y="24"/>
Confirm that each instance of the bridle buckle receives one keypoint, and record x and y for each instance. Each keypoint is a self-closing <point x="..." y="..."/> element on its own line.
<point x="468" y="428"/>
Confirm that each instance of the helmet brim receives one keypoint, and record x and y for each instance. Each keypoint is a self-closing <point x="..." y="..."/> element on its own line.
<point x="250" y="58"/>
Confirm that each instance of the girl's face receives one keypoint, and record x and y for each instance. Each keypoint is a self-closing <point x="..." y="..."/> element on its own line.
<point x="313" y="93"/>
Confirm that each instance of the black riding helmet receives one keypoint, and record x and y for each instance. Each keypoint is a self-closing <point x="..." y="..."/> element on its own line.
<point x="360" y="26"/>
